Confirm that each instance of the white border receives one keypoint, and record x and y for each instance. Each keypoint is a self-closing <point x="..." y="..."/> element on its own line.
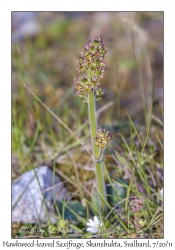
<point x="5" y="93"/>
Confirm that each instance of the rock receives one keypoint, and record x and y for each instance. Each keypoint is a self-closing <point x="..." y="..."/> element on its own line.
<point x="24" y="24"/>
<point x="27" y="200"/>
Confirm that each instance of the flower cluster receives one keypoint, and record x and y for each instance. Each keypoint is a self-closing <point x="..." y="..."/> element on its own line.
<point x="85" y="85"/>
<point x="102" y="138"/>
<point x="136" y="204"/>
<point x="91" y="59"/>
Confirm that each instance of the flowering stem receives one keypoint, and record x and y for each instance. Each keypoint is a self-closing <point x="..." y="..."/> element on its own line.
<point x="93" y="129"/>
<point x="91" y="65"/>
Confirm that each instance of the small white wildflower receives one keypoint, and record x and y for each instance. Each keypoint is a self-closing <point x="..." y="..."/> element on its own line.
<point x="161" y="193"/>
<point x="94" y="225"/>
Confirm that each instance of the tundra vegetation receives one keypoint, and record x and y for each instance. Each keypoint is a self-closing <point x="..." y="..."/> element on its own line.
<point x="102" y="132"/>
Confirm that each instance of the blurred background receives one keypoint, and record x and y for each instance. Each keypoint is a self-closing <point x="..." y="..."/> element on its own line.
<point x="45" y="50"/>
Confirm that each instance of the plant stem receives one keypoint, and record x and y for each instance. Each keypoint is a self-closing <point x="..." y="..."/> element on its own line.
<point x="95" y="150"/>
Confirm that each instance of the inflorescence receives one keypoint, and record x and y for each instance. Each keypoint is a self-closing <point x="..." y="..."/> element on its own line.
<point x="91" y="59"/>
<point x="102" y="138"/>
<point x="91" y="65"/>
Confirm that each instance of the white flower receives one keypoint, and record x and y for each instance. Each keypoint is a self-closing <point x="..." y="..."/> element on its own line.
<point x="161" y="193"/>
<point x="94" y="225"/>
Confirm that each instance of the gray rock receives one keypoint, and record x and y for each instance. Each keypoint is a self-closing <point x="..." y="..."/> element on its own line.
<point x="24" y="24"/>
<point x="27" y="200"/>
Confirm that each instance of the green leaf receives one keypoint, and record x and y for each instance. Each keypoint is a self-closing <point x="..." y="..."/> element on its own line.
<point x="74" y="205"/>
<point x="118" y="192"/>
